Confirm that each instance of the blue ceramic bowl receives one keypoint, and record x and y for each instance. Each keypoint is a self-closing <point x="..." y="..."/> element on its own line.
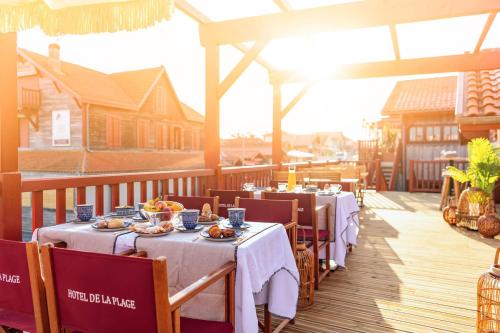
<point x="84" y="212"/>
<point x="236" y="216"/>
<point x="189" y="218"/>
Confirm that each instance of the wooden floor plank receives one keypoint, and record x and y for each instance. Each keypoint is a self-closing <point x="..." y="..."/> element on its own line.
<point x="410" y="272"/>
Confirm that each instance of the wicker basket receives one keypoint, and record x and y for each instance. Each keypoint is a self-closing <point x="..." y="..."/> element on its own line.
<point x="450" y="212"/>
<point x="488" y="301"/>
<point x="465" y="217"/>
<point x="488" y="225"/>
<point x="305" y="265"/>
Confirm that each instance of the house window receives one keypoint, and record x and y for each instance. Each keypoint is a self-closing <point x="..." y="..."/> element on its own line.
<point x="416" y="134"/>
<point x="177" y="138"/>
<point x="433" y="133"/>
<point x="161" y="136"/>
<point x="143" y="134"/>
<point x="450" y="133"/>
<point x="113" y="132"/>
<point x="161" y="99"/>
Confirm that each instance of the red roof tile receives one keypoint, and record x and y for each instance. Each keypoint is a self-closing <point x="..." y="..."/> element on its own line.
<point x="422" y="95"/>
<point x="481" y="94"/>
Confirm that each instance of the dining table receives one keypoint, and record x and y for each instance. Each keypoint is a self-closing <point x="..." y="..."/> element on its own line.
<point x="344" y="222"/>
<point x="266" y="271"/>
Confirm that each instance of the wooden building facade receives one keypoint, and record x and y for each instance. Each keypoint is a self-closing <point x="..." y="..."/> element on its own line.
<point x="89" y="122"/>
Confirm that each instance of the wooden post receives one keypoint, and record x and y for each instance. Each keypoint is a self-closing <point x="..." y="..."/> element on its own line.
<point x="212" y="139"/>
<point x="277" y="124"/>
<point x="10" y="178"/>
<point x="411" y="176"/>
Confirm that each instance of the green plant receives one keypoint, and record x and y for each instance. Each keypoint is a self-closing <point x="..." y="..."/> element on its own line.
<point x="484" y="166"/>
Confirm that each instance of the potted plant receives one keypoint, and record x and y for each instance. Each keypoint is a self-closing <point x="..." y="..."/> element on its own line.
<point x="482" y="174"/>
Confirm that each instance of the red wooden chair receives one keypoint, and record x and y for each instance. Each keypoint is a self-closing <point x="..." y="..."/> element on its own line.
<point x="105" y="293"/>
<point x="227" y="197"/>
<point x="308" y="229"/>
<point x="275" y="211"/>
<point x="22" y="295"/>
<point x="196" y="202"/>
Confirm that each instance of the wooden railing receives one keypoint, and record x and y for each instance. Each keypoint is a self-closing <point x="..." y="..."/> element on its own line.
<point x="185" y="182"/>
<point x="233" y="178"/>
<point x="427" y="176"/>
<point x="111" y="190"/>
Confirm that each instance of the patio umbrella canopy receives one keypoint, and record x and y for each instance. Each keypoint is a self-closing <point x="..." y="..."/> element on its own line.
<point x="57" y="17"/>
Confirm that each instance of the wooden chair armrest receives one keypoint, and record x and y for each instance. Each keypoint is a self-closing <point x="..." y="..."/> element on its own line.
<point x="198" y="286"/>
<point x="290" y="225"/>
<point x="321" y="208"/>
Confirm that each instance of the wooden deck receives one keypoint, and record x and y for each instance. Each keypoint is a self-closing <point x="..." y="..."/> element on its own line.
<point x="410" y="273"/>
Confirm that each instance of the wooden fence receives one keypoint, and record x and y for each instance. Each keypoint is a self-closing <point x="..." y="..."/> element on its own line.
<point x="427" y="176"/>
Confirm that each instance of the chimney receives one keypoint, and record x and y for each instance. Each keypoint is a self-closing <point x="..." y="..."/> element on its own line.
<point x="54" y="61"/>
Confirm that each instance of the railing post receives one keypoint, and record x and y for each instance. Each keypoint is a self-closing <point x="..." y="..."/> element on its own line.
<point x="378" y="178"/>
<point x="410" y="175"/>
<point x="10" y="178"/>
<point x="219" y="180"/>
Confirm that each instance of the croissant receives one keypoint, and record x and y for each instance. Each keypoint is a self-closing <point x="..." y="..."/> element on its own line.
<point x="228" y="233"/>
<point x="115" y="223"/>
<point x="214" y="217"/>
<point x="214" y="231"/>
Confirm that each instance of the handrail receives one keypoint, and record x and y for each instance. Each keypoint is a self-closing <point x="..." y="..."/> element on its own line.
<point x="42" y="184"/>
<point x="249" y="168"/>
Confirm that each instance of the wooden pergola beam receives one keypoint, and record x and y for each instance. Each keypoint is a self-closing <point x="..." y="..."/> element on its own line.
<point x="346" y="16"/>
<point x="443" y="64"/>
<point x="395" y="43"/>
<point x="283" y="5"/>
<point x="296" y="99"/>
<point x="240" y="67"/>
<point x="201" y="18"/>
<point x="486" y="28"/>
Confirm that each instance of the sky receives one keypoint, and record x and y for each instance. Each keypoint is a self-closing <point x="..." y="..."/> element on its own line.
<point x="247" y="106"/>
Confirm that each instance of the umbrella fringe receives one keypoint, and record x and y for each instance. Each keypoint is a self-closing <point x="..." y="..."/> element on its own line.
<point x="92" y="18"/>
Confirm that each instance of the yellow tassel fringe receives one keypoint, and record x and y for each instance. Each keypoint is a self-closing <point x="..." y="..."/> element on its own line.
<point x="94" y="18"/>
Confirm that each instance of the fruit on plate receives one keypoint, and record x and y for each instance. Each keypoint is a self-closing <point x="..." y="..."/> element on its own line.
<point x="175" y="206"/>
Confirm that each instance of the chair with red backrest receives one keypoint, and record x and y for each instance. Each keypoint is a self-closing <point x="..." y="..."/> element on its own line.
<point x="107" y="293"/>
<point x="196" y="202"/>
<point x="308" y="228"/>
<point x="227" y="197"/>
<point x="274" y="211"/>
<point x="22" y="295"/>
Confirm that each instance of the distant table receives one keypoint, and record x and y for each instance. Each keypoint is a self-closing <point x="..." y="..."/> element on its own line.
<point x="344" y="219"/>
<point x="266" y="270"/>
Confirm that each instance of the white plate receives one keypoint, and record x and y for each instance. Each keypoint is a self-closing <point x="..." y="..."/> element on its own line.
<point x="126" y="225"/>
<point x="181" y="228"/>
<point x="205" y="235"/>
<point x="153" y="235"/>
<point x="77" y="221"/>
<point x="227" y="224"/>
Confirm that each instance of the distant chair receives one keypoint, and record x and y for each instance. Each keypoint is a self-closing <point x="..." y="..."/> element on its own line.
<point x="196" y="202"/>
<point x="227" y="198"/>
<point x="325" y="176"/>
<point x="80" y="299"/>
<point x="308" y="229"/>
<point x="22" y="295"/>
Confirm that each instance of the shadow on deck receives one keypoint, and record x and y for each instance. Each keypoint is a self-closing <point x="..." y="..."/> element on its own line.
<point x="410" y="272"/>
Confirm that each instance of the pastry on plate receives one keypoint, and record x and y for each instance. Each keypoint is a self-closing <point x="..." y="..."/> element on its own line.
<point x="228" y="233"/>
<point x="215" y="231"/>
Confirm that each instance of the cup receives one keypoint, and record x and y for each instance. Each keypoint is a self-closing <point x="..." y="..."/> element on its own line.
<point x="84" y="212"/>
<point x="236" y="216"/>
<point x="189" y="218"/>
<point x="282" y="187"/>
<point x="336" y="188"/>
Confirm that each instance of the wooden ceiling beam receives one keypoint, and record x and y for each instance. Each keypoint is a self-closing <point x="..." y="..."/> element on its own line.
<point x="354" y="15"/>
<point x="443" y="64"/>
<point x="240" y="67"/>
<point x="201" y="18"/>
<point x="486" y="28"/>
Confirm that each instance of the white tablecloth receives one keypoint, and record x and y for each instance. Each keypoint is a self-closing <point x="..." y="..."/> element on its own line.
<point x="266" y="269"/>
<point x="344" y="219"/>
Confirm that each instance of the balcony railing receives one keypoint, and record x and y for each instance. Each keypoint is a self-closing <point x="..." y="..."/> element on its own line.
<point x="131" y="188"/>
<point x="427" y="176"/>
<point x="31" y="99"/>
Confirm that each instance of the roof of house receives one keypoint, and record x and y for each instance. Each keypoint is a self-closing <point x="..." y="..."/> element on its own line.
<point x="480" y="94"/>
<point x="191" y="114"/>
<point x="422" y="95"/>
<point x="124" y="90"/>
